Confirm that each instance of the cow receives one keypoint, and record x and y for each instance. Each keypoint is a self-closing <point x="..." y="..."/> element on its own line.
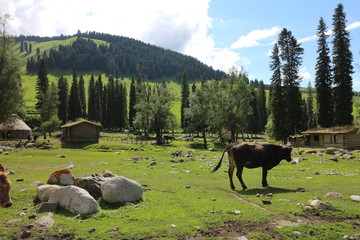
<point x="5" y="185"/>
<point x="253" y="155"/>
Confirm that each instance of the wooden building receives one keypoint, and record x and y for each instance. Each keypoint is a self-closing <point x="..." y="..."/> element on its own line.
<point x="15" y="128"/>
<point x="81" y="131"/>
<point x="340" y="137"/>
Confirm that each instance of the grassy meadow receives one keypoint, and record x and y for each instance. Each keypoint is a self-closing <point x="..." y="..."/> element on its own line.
<point x="183" y="200"/>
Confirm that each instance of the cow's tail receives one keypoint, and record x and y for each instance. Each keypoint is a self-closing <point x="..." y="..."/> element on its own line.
<point x="219" y="163"/>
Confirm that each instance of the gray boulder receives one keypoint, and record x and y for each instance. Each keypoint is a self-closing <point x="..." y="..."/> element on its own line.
<point x="44" y="191"/>
<point x="90" y="184"/>
<point x="121" y="189"/>
<point x="75" y="199"/>
<point x="322" y="205"/>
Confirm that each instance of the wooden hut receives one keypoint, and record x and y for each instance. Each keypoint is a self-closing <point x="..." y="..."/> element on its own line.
<point x="342" y="137"/>
<point x="81" y="131"/>
<point x="15" y="128"/>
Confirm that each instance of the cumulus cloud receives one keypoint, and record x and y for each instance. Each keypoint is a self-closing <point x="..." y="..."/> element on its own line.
<point x="179" y="25"/>
<point x="253" y="37"/>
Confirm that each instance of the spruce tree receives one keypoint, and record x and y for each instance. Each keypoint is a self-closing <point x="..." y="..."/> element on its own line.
<point x="63" y="93"/>
<point x="74" y="99"/>
<point x="81" y="87"/>
<point x="323" y="79"/>
<point x="310" y="108"/>
<point x="342" y="69"/>
<point x="42" y="84"/>
<point x="132" y="103"/>
<point x="49" y="108"/>
<point x="98" y="100"/>
<point x="91" y="98"/>
<point x="277" y="101"/>
<point x="262" y="106"/>
<point x="185" y="92"/>
<point x="291" y="60"/>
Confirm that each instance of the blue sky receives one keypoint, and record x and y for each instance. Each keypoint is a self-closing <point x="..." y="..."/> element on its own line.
<point x="220" y="33"/>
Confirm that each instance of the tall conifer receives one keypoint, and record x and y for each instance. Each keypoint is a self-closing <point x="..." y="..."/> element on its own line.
<point x="63" y="89"/>
<point x="185" y="92"/>
<point x="323" y="79"/>
<point x="42" y="84"/>
<point x="342" y="69"/>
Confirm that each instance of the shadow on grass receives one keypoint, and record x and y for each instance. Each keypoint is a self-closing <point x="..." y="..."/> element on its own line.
<point x="264" y="191"/>
<point x="106" y="205"/>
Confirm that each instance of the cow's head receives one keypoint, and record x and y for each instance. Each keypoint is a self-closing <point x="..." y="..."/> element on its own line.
<point x="286" y="153"/>
<point x="5" y="185"/>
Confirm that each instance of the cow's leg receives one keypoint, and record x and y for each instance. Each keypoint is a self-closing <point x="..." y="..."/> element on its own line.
<point x="239" y="175"/>
<point x="230" y="172"/>
<point x="264" y="175"/>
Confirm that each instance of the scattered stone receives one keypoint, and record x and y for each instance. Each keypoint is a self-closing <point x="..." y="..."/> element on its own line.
<point x="198" y="228"/>
<point x="90" y="184"/>
<point x="121" y="189"/>
<point x="20" y="180"/>
<point x="106" y="173"/>
<point x="70" y="165"/>
<point x="241" y="238"/>
<point x="5" y="153"/>
<point x="266" y="202"/>
<point x="61" y="177"/>
<point x="311" y="151"/>
<point x="32" y="215"/>
<point x="21" y="214"/>
<point x="75" y="199"/>
<point x="347" y="156"/>
<point x="213" y="199"/>
<point x="236" y="212"/>
<point x="91" y="230"/>
<point x="25" y="234"/>
<point x="334" y="158"/>
<point x="45" y="207"/>
<point x="37" y="184"/>
<point x="330" y="150"/>
<point x="152" y="163"/>
<point x="322" y="205"/>
<point x="11" y="172"/>
<point x="332" y="172"/>
<point x="300" y="190"/>
<point x="322" y="160"/>
<point x="45" y="221"/>
<point x="297" y="233"/>
<point x="22" y="190"/>
<point x="173" y="225"/>
<point x="355" y="198"/>
<point x="44" y="191"/>
<point x="212" y="211"/>
<point x="188" y="186"/>
<point x="334" y="195"/>
<point x="269" y="195"/>
<point x="295" y="161"/>
<point x="347" y="237"/>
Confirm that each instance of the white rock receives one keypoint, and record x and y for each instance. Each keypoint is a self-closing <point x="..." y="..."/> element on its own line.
<point x="355" y="198"/>
<point x="44" y="191"/>
<point x="74" y="199"/>
<point x="121" y="189"/>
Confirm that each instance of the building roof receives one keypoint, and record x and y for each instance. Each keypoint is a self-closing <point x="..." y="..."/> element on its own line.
<point x="333" y="130"/>
<point x="79" y="121"/>
<point x="14" y="123"/>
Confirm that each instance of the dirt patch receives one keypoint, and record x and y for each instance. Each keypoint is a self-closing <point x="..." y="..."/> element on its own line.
<point x="233" y="230"/>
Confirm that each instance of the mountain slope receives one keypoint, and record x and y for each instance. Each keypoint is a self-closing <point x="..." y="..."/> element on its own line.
<point x="115" y="55"/>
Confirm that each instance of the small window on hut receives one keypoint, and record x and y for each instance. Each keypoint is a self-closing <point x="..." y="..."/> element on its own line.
<point x="316" y="138"/>
<point x="334" y="139"/>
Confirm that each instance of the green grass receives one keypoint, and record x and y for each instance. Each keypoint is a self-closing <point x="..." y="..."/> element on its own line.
<point x="207" y="203"/>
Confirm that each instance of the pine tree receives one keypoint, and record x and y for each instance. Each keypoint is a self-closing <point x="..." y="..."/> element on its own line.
<point x="91" y="99"/>
<point x="49" y="108"/>
<point x="277" y="103"/>
<point x="291" y="59"/>
<point x="132" y="103"/>
<point x="185" y="92"/>
<point x="98" y="100"/>
<point x="11" y="92"/>
<point x="42" y="84"/>
<point x="310" y="108"/>
<point x="262" y="106"/>
<point x="74" y="99"/>
<point x="323" y="79"/>
<point x="342" y="69"/>
<point x="81" y="88"/>
<point x="63" y="89"/>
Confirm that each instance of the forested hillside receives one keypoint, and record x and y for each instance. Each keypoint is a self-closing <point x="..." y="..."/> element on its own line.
<point x="117" y="56"/>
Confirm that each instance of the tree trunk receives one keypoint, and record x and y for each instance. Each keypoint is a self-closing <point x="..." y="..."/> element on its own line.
<point x="159" y="137"/>
<point x="204" y="137"/>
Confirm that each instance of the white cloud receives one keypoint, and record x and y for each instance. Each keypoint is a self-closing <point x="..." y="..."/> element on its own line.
<point x="179" y="25"/>
<point x="253" y="37"/>
<point x="305" y="74"/>
<point x="353" y="25"/>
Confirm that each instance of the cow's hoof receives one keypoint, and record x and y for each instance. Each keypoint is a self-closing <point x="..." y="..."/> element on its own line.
<point x="232" y="187"/>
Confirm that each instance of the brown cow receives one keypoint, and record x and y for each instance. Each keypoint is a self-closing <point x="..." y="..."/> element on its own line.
<point x="253" y="155"/>
<point x="5" y="185"/>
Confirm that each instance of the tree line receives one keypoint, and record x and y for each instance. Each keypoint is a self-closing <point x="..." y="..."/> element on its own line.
<point x="121" y="57"/>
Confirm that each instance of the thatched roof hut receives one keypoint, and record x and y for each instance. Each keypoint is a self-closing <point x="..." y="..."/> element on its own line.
<point x="81" y="131"/>
<point x="15" y="128"/>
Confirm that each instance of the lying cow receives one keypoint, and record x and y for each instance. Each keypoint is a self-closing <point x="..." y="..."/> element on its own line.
<point x="5" y="185"/>
<point x="253" y="155"/>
